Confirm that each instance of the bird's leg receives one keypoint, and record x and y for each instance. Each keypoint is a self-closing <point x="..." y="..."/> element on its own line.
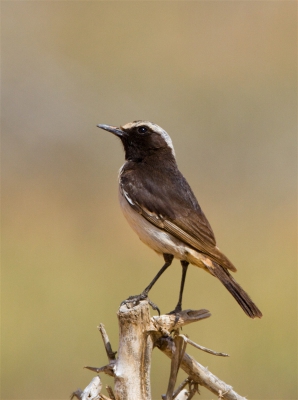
<point x="144" y="295"/>
<point x="168" y="261"/>
<point x="178" y="307"/>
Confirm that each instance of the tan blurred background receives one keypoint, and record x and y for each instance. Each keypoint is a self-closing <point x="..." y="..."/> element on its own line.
<point x="220" y="77"/>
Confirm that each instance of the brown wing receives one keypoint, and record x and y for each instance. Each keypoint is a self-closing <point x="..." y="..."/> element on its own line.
<point x="175" y="211"/>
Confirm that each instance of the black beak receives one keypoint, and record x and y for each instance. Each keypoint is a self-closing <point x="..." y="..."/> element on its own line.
<point x="113" y="129"/>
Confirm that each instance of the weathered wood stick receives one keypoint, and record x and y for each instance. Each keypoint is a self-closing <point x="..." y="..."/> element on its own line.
<point x="168" y="322"/>
<point x="175" y="364"/>
<point x="215" y="353"/>
<point x="132" y="367"/>
<point x="138" y="333"/>
<point x="199" y="373"/>
<point x="110" y="353"/>
<point x="91" y="392"/>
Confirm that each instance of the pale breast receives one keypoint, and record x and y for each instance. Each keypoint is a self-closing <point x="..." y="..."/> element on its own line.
<point x="158" y="240"/>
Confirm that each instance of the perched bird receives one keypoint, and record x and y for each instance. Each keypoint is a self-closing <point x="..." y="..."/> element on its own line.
<point x="161" y="208"/>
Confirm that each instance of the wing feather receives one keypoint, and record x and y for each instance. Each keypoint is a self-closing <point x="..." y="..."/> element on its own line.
<point x="181" y="216"/>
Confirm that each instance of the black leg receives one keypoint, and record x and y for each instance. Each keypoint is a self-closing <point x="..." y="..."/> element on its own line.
<point x="168" y="261"/>
<point x="178" y="307"/>
<point x="144" y="295"/>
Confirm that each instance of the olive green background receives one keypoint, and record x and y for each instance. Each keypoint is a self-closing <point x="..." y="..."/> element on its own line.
<point x="220" y="78"/>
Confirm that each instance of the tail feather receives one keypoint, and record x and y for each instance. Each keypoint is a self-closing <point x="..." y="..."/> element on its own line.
<point x="236" y="291"/>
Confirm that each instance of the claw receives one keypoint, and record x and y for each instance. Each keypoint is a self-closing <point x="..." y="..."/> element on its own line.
<point x="137" y="298"/>
<point x="154" y="306"/>
<point x="176" y="312"/>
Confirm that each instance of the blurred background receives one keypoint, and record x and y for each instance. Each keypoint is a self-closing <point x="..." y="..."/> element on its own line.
<point x="220" y="78"/>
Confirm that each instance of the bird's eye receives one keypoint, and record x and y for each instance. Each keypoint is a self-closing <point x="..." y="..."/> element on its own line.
<point x="142" y="129"/>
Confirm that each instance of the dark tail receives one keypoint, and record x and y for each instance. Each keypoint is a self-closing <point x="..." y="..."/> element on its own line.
<point x="236" y="291"/>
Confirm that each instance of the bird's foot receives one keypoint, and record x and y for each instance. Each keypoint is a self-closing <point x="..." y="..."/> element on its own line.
<point x="176" y="312"/>
<point x="139" y="297"/>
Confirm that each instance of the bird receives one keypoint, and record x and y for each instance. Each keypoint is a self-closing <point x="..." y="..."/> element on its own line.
<point x="162" y="209"/>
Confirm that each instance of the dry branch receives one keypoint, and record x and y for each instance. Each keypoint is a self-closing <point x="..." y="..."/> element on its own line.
<point x="91" y="392"/>
<point x="199" y="373"/>
<point x="198" y="346"/>
<point x="138" y="335"/>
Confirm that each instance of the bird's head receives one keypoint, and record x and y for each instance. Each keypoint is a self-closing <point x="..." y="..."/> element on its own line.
<point x="142" y="139"/>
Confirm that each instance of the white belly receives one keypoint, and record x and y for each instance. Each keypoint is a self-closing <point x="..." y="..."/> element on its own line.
<point x="161" y="241"/>
<point x="157" y="239"/>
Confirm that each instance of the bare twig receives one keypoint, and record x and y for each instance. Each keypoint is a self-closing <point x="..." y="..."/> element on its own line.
<point x="110" y="353"/>
<point x="111" y="393"/>
<point x="107" y="369"/>
<point x="193" y="389"/>
<point x="175" y="364"/>
<point x="91" y="392"/>
<point x="181" y="387"/>
<point x="197" y="372"/>
<point x="215" y="353"/>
